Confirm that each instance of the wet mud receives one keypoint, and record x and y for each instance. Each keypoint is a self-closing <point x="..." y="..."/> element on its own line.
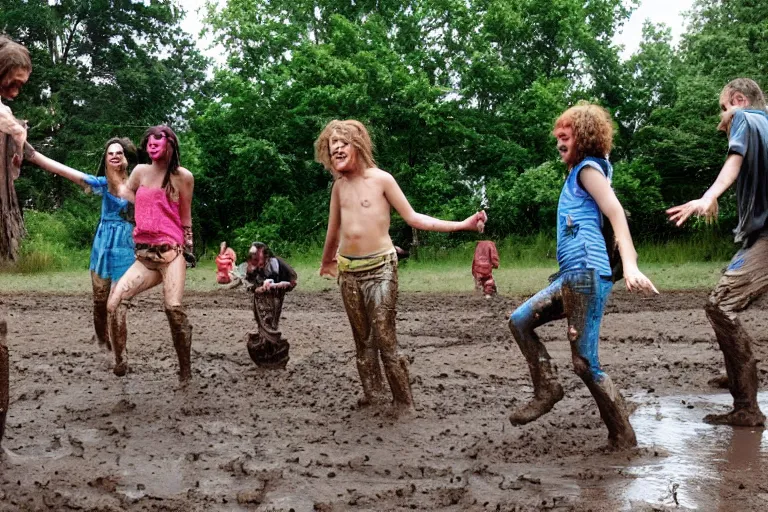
<point x="238" y="437"/>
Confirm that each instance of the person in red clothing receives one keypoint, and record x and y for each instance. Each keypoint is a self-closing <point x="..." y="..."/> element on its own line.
<point x="225" y="264"/>
<point x="486" y="259"/>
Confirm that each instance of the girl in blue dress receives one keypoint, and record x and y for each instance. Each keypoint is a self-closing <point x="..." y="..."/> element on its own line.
<point x="112" y="251"/>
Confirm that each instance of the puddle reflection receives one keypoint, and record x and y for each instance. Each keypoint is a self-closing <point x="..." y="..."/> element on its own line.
<point x="699" y="466"/>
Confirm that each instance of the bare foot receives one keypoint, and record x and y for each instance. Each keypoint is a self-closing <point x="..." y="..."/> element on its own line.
<point x="737" y="418"/>
<point x="538" y="406"/>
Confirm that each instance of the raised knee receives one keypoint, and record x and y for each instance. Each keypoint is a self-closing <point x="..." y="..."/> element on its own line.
<point x="715" y="313"/>
<point x="517" y="324"/>
<point x="114" y="307"/>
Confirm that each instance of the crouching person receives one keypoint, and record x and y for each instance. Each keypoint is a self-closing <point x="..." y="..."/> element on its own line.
<point x="269" y="277"/>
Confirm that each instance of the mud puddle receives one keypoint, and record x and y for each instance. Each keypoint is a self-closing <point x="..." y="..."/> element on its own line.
<point x="694" y="465"/>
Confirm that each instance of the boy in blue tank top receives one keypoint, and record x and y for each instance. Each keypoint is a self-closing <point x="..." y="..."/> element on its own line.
<point x="579" y="290"/>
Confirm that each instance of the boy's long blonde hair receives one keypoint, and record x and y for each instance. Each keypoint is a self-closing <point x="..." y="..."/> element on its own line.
<point x="592" y="128"/>
<point x="353" y="132"/>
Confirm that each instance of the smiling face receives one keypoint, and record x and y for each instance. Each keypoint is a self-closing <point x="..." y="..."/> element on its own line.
<point x="343" y="154"/>
<point x="566" y="145"/>
<point x="116" y="160"/>
<point x="12" y="83"/>
<point x="157" y="147"/>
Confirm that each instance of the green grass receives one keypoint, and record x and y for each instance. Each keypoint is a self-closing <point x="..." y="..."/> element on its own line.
<point x="414" y="277"/>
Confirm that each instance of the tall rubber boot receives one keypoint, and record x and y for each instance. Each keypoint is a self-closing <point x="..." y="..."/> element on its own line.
<point x="547" y="390"/>
<point x="181" y="332"/>
<point x="613" y="410"/>
<point x="118" y="333"/>
<point x="4" y="378"/>
<point x="101" y="323"/>
<point x="741" y="368"/>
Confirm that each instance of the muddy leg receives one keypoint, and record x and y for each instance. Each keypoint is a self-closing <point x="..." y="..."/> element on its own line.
<point x="740" y="367"/>
<point x="4" y="379"/>
<point x="181" y="332"/>
<point x="101" y="288"/>
<point x="543" y="307"/>
<point x="136" y="279"/>
<point x="366" y="355"/>
<point x="584" y="299"/>
<point x="381" y="302"/>
<point x="118" y="333"/>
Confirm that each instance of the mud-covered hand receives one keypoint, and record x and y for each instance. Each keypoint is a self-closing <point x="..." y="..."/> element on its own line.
<point x="637" y="282"/>
<point x="705" y="207"/>
<point x="189" y="253"/>
<point x="329" y="269"/>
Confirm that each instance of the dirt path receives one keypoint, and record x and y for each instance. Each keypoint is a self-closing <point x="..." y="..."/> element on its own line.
<point x="240" y="438"/>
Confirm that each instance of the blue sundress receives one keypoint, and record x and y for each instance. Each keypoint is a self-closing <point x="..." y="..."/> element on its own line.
<point x="112" y="251"/>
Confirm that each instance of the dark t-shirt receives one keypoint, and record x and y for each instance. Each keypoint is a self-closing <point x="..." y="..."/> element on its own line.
<point x="748" y="137"/>
<point x="276" y="269"/>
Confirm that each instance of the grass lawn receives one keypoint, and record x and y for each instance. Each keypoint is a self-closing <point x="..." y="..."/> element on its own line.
<point x="414" y="277"/>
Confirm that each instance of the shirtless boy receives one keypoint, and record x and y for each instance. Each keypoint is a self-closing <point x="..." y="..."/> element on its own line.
<point x="359" y="251"/>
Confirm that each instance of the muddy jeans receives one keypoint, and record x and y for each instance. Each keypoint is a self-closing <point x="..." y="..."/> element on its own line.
<point x="580" y="297"/>
<point x="370" y="299"/>
<point x="744" y="280"/>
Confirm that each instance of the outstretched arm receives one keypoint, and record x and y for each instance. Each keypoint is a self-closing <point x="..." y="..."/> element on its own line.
<point x="328" y="266"/>
<point x="397" y="199"/>
<point x="706" y="206"/>
<point x="57" y="168"/>
<point x="596" y="184"/>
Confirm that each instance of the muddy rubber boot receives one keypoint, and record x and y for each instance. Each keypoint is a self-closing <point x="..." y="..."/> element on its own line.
<point x="4" y="379"/>
<point x="371" y="378"/>
<point x="547" y="391"/>
<point x="118" y="333"/>
<point x="399" y="382"/>
<point x="741" y="369"/>
<point x="101" y="324"/>
<point x="613" y="411"/>
<point x="181" y="332"/>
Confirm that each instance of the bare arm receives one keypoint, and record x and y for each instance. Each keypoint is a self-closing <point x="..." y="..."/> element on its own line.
<point x="707" y="205"/>
<point x="58" y="168"/>
<point x="186" y="190"/>
<point x="397" y="199"/>
<point x="9" y="125"/>
<point x="328" y="264"/>
<point x="596" y="184"/>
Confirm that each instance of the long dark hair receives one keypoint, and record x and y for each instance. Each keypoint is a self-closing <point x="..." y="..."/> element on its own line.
<point x="129" y="151"/>
<point x="174" y="162"/>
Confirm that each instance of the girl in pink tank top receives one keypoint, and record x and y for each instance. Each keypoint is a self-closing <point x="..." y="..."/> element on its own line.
<point x="163" y="200"/>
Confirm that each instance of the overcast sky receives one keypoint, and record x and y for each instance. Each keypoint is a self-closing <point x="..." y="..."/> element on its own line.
<point x="659" y="11"/>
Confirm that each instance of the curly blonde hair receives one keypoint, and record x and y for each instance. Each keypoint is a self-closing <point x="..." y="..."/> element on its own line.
<point x="592" y="128"/>
<point x="351" y="131"/>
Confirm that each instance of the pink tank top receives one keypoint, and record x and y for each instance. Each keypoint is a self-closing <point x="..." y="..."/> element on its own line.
<point x="158" y="220"/>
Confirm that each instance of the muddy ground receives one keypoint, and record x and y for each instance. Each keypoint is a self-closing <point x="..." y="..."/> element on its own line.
<point x="241" y="438"/>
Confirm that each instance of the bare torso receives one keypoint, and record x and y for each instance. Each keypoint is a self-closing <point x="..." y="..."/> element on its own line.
<point x="365" y="213"/>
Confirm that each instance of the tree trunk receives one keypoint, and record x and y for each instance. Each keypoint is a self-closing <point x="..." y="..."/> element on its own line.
<point x="415" y="244"/>
<point x="11" y="221"/>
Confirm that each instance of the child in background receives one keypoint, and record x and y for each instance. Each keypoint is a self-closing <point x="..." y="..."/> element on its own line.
<point x="225" y="264"/>
<point x="486" y="259"/>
